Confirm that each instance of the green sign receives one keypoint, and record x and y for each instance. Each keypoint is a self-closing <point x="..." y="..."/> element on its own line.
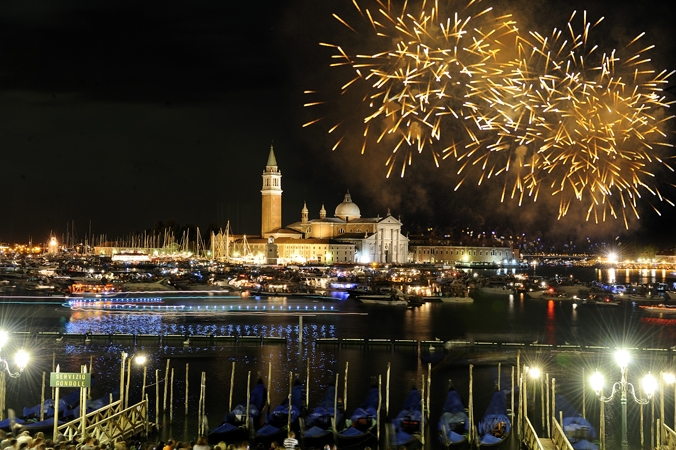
<point x="66" y="379"/>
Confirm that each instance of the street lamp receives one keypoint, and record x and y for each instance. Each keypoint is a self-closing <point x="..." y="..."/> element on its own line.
<point x="21" y="358"/>
<point x="649" y="385"/>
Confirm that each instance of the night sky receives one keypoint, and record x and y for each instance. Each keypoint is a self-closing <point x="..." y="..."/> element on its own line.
<point x="122" y="113"/>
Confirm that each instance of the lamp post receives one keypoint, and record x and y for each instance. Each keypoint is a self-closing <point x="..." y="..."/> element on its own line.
<point x="649" y="384"/>
<point x="141" y="361"/>
<point x="21" y="360"/>
<point x="668" y="378"/>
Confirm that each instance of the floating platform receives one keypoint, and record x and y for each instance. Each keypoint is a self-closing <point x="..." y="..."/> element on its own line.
<point x="174" y="340"/>
<point x="155" y="306"/>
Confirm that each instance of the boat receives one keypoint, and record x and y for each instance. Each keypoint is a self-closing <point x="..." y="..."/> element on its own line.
<point x="579" y="431"/>
<point x="497" y="289"/>
<point x="495" y="425"/>
<point x="91" y="406"/>
<point x="10" y="423"/>
<point x="467" y="299"/>
<point x="407" y="424"/>
<point x="33" y="427"/>
<point x="659" y="309"/>
<point x="317" y="427"/>
<point x="362" y="425"/>
<point x="454" y="423"/>
<point x="65" y="404"/>
<point x="445" y="298"/>
<point x="92" y="290"/>
<point x="537" y="293"/>
<point x="601" y="300"/>
<point x="235" y="424"/>
<point x="392" y="298"/>
<point x="277" y="421"/>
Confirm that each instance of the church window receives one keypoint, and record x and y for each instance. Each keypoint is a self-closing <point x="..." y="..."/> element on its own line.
<point x="474" y="253"/>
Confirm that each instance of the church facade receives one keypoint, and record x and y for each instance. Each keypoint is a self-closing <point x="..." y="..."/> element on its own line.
<point x="347" y="237"/>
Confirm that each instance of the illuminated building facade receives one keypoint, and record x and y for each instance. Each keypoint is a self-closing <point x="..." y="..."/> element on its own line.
<point x="347" y="237"/>
<point x="463" y="255"/>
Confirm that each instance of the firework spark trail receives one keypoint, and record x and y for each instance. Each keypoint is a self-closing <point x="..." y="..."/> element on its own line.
<point x="423" y="76"/>
<point x="597" y="134"/>
<point x="548" y="114"/>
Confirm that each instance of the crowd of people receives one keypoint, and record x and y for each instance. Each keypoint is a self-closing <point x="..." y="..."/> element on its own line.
<point x="24" y="441"/>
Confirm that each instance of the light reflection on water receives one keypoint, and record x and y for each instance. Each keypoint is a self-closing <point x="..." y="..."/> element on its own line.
<point x="490" y="317"/>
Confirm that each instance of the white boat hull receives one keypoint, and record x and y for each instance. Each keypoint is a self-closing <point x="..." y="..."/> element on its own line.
<point x="496" y="290"/>
<point x="375" y="300"/>
<point x="456" y="299"/>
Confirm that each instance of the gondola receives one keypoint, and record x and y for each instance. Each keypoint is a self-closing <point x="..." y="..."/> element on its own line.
<point x="495" y="426"/>
<point x="361" y="427"/>
<point x="276" y="423"/>
<point x="34" y="427"/>
<point x="65" y="403"/>
<point x="454" y="422"/>
<point x="29" y="421"/>
<point x="407" y="424"/>
<point x="578" y="430"/>
<point x="317" y="427"/>
<point x="234" y="425"/>
<point x="92" y="405"/>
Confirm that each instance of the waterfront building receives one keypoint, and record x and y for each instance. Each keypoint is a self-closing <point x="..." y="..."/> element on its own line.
<point x="426" y="249"/>
<point x="347" y="237"/>
<point x="464" y="256"/>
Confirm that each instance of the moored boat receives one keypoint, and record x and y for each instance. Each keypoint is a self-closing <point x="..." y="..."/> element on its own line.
<point x="454" y="422"/>
<point x="278" y="420"/>
<point x="317" y="428"/>
<point x="495" y="425"/>
<point x="659" y="309"/>
<point x="393" y="298"/>
<point x="235" y="425"/>
<point x="448" y="298"/>
<point x="601" y="300"/>
<point x="361" y="427"/>
<point x="408" y="422"/>
<point x="579" y="431"/>
<point x="496" y="289"/>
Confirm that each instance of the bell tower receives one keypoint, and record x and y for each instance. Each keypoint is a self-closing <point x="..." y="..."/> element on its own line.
<point x="271" y="218"/>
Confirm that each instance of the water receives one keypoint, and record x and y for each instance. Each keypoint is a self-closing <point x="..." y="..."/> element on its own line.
<point x="488" y="318"/>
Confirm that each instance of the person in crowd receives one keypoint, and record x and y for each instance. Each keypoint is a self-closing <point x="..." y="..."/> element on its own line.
<point x="24" y="438"/>
<point x="201" y="444"/>
<point x="12" y="445"/>
<point x="290" y="443"/>
<point x="88" y="443"/>
<point x="171" y="444"/>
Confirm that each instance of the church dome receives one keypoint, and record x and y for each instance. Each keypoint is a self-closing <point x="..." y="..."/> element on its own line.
<point x="348" y="210"/>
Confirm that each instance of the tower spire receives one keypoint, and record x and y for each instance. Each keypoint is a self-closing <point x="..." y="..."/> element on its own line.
<point x="272" y="161"/>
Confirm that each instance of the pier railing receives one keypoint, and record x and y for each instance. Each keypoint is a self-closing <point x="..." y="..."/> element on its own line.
<point x="669" y="442"/>
<point x="559" y="437"/>
<point x="530" y="437"/>
<point x="110" y="423"/>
